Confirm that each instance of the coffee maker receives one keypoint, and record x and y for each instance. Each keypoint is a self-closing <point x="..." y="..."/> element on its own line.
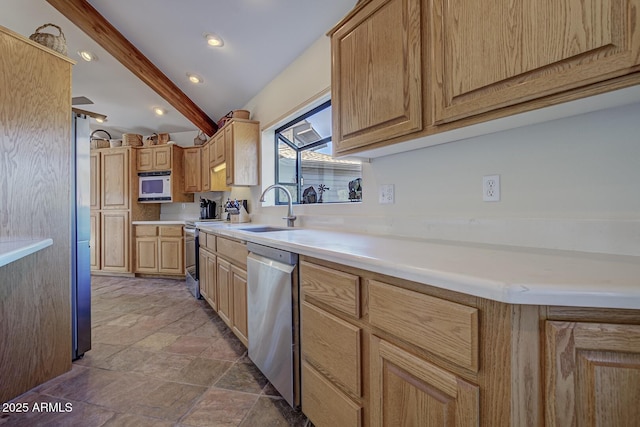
<point x="207" y="209"/>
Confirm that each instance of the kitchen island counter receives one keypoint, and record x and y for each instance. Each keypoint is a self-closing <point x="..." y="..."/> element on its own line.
<point x="509" y="274"/>
<point x="15" y="249"/>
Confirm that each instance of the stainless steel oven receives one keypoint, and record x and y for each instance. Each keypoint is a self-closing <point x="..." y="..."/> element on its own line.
<point x="191" y="248"/>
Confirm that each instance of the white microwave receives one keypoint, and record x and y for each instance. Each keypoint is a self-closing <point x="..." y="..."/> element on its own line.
<point x="154" y="186"/>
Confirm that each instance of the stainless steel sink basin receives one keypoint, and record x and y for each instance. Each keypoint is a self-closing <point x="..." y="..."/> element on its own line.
<point x="266" y="229"/>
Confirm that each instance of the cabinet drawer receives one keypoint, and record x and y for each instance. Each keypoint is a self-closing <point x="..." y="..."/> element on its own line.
<point x="335" y="288"/>
<point x="146" y="230"/>
<point x="333" y="345"/>
<point x="232" y="250"/>
<point x="444" y="328"/>
<point x="324" y="404"/>
<point x="171" y="231"/>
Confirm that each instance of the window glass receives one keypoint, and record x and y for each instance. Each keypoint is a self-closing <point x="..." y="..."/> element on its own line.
<point x="305" y="164"/>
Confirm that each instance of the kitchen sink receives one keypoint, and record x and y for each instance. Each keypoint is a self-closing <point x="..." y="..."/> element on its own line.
<point x="266" y="229"/>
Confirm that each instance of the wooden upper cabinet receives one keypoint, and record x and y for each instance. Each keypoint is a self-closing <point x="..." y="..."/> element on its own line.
<point x="593" y="374"/>
<point x="497" y="53"/>
<point x="241" y="141"/>
<point x="216" y="156"/>
<point x="377" y="91"/>
<point x="162" y="158"/>
<point x="115" y="179"/>
<point x="205" y="174"/>
<point x="192" y="170"/>
<point x="154" y="159"/>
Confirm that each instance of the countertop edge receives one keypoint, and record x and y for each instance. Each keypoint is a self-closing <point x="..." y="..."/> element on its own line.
<point x="509" y="291"/>
<point x="13" y="250"/>
<point x="159" y="222"/>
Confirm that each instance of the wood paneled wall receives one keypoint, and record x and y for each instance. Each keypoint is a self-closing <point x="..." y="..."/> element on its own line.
<point x="35" y="201"/>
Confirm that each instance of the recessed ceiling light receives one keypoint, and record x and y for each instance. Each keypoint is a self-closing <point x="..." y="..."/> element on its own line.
<point x="159" y="111"/>
<point x="87" y="56"/>
<point x="193" y="78"/>
<point x="214" y="40"/>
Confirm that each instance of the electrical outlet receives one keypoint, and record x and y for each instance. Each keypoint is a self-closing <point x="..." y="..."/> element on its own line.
<point x="491" y="188"/>
<point x="386" y="194"/>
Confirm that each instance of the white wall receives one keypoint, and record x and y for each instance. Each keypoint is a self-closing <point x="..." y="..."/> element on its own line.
<point x="572" y="183"/>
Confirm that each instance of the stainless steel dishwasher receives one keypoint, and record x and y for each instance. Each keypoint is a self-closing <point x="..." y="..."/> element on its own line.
<point x="272" y="303"/>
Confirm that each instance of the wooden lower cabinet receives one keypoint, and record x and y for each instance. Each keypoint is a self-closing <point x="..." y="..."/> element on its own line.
<point x="409" y="391"/>
<point x="146" y="254"/>
<point x="416" y="355"/>
<point x="238" y="293"/>
<point x="159" y="249"/>
<point x="115" y="231"/>
<point x="223" y="281"/>
<point x="208" y="288"/>
<point x="171" y="255"/>
<point x="325" y="404"/>
<point x="592" y="374"/>
<point x="333" y="345"/>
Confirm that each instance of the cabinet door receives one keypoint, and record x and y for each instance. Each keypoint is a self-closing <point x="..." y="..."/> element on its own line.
<point x="228" y="153"/>
<point x="171" y="255"/>
<point x="192" y="170"/>
<point x="218" y="150"/>
<point x="223" y="282"/>
<point x="211" y="272"/>
<point x="204" y="165"/>
<point x="144" y="159"/>
<point x="593" y="374"/>
<point x="497" y="53"/>
<point x="94" y="167"/>
<point x="161" y="158"/>
<point x="377" y="74"/>
<point x="239" y="300"/>
<point x="241" y="140"/>
<point x="409" y="391"/>
<point x="202" y="279"/>
<point x="114" y="181"/>
<point x="94" y="240"/>
<point x="115" y="241"/>
<point x="146" y="255"/>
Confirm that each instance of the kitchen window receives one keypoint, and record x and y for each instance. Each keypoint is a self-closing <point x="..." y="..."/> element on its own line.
<point x="305" y="164"/>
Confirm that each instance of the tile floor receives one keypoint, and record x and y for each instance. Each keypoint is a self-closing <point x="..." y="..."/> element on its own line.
<point x="159" y="358"/>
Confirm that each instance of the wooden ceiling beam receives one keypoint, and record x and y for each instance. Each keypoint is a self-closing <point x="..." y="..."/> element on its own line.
<point x="89" y="20"/>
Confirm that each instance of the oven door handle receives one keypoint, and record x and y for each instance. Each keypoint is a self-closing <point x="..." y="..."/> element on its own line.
<point x="190" y="231"/>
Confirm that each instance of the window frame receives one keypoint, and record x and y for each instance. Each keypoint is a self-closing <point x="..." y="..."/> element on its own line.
<point x="278" y="137"/>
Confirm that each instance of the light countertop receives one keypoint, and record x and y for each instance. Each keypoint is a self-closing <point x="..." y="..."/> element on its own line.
<point x="508" y="274"/>
<point x="170" y="222"/>
<point x="13" y="250"/>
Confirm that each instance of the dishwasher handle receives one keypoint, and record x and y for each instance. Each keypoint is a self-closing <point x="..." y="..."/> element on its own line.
<point x="275" y="254"/>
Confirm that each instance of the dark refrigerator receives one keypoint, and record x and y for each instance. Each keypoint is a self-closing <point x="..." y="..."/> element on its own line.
<point x="80" y="235"/>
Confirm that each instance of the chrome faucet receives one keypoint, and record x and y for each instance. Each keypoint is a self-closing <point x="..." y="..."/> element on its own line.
<point x="290" y="216"/>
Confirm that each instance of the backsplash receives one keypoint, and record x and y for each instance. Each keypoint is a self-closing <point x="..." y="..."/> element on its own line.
<point x="571" y="184"/>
